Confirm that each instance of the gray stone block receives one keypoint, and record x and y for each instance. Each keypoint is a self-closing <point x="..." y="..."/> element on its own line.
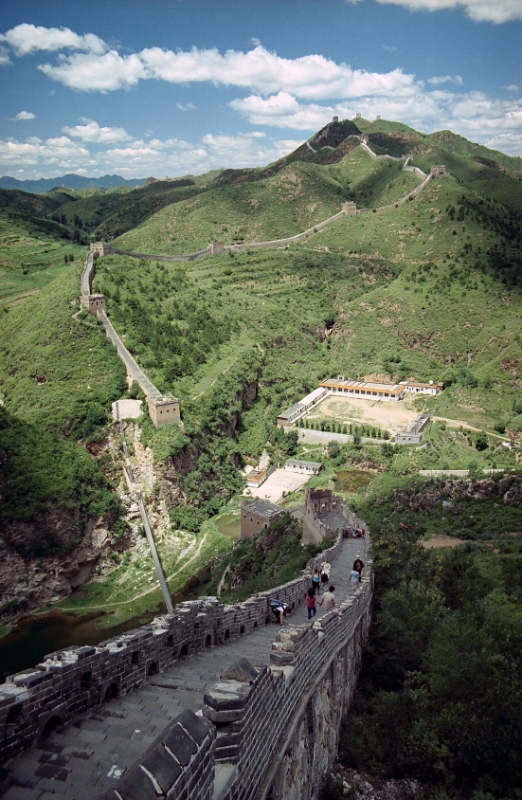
<point x="194" y="725"/>
<point x="242" y="671"/>
<point x="135" y="785"/>
<point x="161" y="764"/>
<point x="180" y="744"/>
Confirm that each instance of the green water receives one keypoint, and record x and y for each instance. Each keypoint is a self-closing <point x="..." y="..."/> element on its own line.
<point x="351" y="480"/>
<point x="230" y="525"/>
<point x="36" y="635"/>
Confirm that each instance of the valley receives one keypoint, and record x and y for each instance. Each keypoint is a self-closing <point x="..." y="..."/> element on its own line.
<point x="428" y="290"/>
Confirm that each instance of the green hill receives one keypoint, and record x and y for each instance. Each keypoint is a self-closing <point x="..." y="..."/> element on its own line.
<point x="429" y="290"/>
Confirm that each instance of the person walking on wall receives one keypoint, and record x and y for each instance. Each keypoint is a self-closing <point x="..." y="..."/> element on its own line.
<point x="358" y="566"/>
<point x="354" y="579"/>
<point x="328" y="599"/>
<point x="316" y="581"/>
<point x="325" y="573"/>
<point x="310" y="603"/>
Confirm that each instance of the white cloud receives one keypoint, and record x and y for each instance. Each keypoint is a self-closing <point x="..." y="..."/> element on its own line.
<point x="311" y="77"/>
<point x="4" y="57"/>
<point x="187" y="107"/>
<point x="436" y="81"/>
<point x="496" y="11"/>
<point x="60" y="152"/>
<point x="475" y="115"/>
<point x="25" y="115"/>
<point x="138" y="158"/>
<point x="91" y="132"/>
<point x="512" y="87"/>
<point x="91" y="73"/>
<point x="25" y="39"/>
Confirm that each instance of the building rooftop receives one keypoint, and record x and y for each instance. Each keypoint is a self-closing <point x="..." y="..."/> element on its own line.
<point x="262" y="507"/>
<point x="365" y="385"/>
<point x="299" y="463"/>
<point x="296" y="408"/>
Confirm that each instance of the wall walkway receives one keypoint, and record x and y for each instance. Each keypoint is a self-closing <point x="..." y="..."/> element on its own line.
<point x="219" y="709"/>
<point x="299" y="237"/>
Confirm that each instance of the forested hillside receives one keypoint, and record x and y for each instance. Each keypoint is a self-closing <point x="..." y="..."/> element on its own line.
<point x="428" y="290"/>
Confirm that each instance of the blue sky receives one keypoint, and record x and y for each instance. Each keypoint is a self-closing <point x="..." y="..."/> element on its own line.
<point x="170" y="87"/>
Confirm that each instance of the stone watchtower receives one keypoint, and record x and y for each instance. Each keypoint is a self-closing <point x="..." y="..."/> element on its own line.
<point x="164" y="410"/>
<point x="100" y="249"/>
<point x="349" y="209"/>
<point x="96" y="304"/>
<point x="438" y="169"/>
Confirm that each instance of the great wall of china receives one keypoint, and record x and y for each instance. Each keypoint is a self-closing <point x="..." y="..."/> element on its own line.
<point x="224" y="712"/>
<point x="201" y="704"/>
<point x="164" y="409"/>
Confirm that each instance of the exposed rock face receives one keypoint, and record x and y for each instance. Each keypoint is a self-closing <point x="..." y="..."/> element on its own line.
<point x="27" y="583"/>
<point x="349" y="783"/>
<point x="509" y="489"/>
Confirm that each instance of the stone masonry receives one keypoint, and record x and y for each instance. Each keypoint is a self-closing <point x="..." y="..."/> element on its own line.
<point x="191" y="706"/>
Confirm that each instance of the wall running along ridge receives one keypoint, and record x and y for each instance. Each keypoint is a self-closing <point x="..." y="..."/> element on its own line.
<point x="299" y="237"/>
<point x="265" y="733"/>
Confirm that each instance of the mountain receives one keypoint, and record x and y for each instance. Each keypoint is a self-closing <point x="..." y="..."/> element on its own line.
<point x="430" y="289"/>
<point x="69" y="181"/>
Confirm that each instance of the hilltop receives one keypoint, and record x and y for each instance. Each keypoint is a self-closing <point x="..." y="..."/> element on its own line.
<point x="429" y="290"/>
<point x="69" y="181"/>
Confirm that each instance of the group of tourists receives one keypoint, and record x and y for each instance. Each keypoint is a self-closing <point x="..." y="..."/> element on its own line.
<point x="354" y="533"/>
<point x="320" y="577"/>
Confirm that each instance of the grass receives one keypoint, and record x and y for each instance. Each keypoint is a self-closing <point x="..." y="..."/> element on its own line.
<point x="412" y="292"/>
<point x="131" y="590"/>
<point x="29" y="261"/>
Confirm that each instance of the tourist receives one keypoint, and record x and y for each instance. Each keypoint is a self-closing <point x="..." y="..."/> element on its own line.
<point x="328" y="599"/>
<point x="279" y="609"/>
<point x="325" y="573"/>
<point x="310" y="603"/>
<point x="316" y="581"/>
<point x="358" y="565"/>
<point x="354" y="579"/>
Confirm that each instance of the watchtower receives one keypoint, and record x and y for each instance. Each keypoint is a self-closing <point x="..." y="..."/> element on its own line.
<point x="216" y="248"/>
<point x="349" y="208"/>
<point x="438" y="169"/>
<point x="100" y="249"/>
<point x="164" y="410"/>
<point x="96" y="304"/>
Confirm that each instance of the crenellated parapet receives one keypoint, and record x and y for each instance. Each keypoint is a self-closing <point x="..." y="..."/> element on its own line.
<point x="69" y="682"/>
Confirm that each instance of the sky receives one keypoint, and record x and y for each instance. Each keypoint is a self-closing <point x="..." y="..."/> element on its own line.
<point x="163" y="88"/>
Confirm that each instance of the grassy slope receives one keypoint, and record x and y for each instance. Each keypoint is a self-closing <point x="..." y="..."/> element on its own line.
<point x="51" y="364"/>
<point x="404" y="295"/>
<point x="293" y="199"/>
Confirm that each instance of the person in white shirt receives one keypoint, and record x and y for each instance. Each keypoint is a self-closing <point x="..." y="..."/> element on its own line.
<point x="328" y="599"/>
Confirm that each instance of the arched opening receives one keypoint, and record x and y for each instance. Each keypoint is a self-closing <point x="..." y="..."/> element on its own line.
<point x="170" y="640"/>
<point x="14" y="716"/>
<point x="85" y="680"/>
<point x="153" y="669"/>
<point x="196" y="626"/>
<point x="135" y="658"/>
<point x="227" y="634"/>
<point x="255" y="623"/>
<point x="267" y="620"/>
<point x="111" y="692"/>
<point x="242" y="629"/>
<point x="52" y="724"/>
<point x="208" y="641"/>
<point x="184" y="651"/>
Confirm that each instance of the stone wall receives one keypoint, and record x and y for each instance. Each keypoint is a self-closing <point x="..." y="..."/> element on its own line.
<point x="68" y="682"/>
<point x="276" y="728"/>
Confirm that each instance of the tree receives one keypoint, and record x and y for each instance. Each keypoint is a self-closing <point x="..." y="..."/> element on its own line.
<point x="334" y="449"/>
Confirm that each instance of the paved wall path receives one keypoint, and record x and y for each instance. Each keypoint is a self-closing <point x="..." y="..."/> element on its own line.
<point x="85" y="760"/>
